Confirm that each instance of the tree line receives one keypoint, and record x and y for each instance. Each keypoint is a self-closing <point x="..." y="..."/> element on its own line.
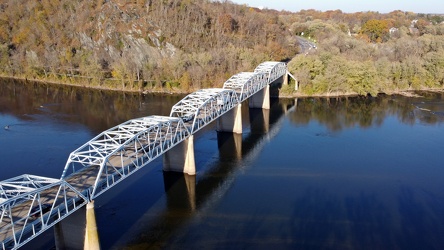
<point x="386" y="54"/>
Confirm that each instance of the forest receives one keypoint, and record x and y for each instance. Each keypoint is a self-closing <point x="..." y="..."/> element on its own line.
<point x="184" y="45"/>
<point x="370" y="53"/>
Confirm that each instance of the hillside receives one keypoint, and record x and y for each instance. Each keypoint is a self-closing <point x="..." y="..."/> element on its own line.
<point x="140" y="44"/>
<point x="370" y="53"/>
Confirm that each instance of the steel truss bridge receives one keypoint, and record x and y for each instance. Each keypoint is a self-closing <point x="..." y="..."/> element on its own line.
<point x="29" y="204"/>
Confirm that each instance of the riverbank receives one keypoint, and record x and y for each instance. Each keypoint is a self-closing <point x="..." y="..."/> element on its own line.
<point x="97" y="87"/>
<point x="282" y="93"/>
<point x="406" y="93"/>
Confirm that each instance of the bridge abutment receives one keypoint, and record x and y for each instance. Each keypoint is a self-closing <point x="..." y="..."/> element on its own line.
<point x="231" y="121"/>
<point x="296" y="82"/>
<point x="261" y="99"/>
<point x="181" y="158"/>
<point x="285" y="80"/>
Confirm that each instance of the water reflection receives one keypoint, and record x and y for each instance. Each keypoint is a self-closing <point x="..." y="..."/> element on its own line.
<point x="341" y="113"/>
<point x="97" y="109"/>
<point x="345" y="173"/>
<point x="323" y="219"/>
<point x="187" y="196"/>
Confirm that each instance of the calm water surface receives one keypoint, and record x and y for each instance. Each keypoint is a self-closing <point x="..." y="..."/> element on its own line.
<point x="356" y="173"/>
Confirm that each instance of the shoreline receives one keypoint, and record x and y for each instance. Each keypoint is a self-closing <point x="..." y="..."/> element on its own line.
<point x="95" y="87"/>
<point x="406" y="93"/>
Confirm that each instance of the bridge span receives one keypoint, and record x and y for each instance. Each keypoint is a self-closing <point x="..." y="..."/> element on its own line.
<point x="30" y="204"/>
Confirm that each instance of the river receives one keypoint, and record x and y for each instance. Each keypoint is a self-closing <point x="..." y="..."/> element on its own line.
<point x="345" y="173"/>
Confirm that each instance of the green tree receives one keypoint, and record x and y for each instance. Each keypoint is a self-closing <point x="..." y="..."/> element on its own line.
<point x="361" y="78"/>
<point x="333" y="80"/>
<point x="434" y="64"/>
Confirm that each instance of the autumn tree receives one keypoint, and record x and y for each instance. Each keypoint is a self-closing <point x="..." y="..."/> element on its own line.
<point x="422" y="25"/>
<point x="375" y="30"/>
<point x="227" y="23"/>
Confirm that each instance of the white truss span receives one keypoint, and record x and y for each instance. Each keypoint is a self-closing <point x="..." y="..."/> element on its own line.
<point x="22" y="184"/>
<point x="246" y="84"/>
<point x="275" y="70"/>
<point x="204" y="106"/>
<point x="27" y="210"/>
<point x="31" y="204"/>
<point x="116" y="153"/>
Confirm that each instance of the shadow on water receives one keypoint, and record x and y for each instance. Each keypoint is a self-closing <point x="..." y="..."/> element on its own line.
<point x="187" y="195"/>
<point x="323" y="220"/>
<point x="319" y="216"/>
<point x="369" y="221"/>
<point x="422" y="216"/>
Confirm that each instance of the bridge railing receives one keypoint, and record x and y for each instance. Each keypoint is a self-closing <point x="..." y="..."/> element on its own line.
<point x="29" y="210"/>
<point x="247" y="84"/>
<point x="275" y="70"/>
<point x="116" y="153"/>
<point x="204" y="106"/>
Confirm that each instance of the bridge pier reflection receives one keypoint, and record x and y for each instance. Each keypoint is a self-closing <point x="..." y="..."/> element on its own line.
<point x="180" y="191"/>
<point x="260" y="121"/>
<point x="187" y="196"/>
<point x="230" y="145"/>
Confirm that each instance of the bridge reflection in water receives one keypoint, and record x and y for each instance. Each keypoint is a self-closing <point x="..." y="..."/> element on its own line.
<point x="187" y="196"/>
<point x="30" y="205"/>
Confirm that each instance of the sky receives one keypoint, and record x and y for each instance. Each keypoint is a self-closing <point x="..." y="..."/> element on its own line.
<point x="349" y="6"/>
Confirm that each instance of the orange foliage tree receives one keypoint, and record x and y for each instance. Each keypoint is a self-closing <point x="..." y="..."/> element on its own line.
<point x="375" y="30"/>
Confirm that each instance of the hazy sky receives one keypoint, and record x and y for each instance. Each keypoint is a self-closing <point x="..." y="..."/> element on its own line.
<point x="383" y="6"/>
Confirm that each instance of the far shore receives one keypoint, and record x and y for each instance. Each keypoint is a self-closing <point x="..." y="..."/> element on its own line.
<point x="164" y="91"/>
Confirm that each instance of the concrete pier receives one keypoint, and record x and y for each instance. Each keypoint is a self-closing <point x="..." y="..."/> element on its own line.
<point x="231" y="121"/>
<point x="91" y="233"/>
<point x="78" y="231"/>
<point x="261" y="99"/>
<point x="181" y="158"/>
<point x="70" y="233"/>
<point x="285" y="80"/>
<point x="296" y="82"/>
